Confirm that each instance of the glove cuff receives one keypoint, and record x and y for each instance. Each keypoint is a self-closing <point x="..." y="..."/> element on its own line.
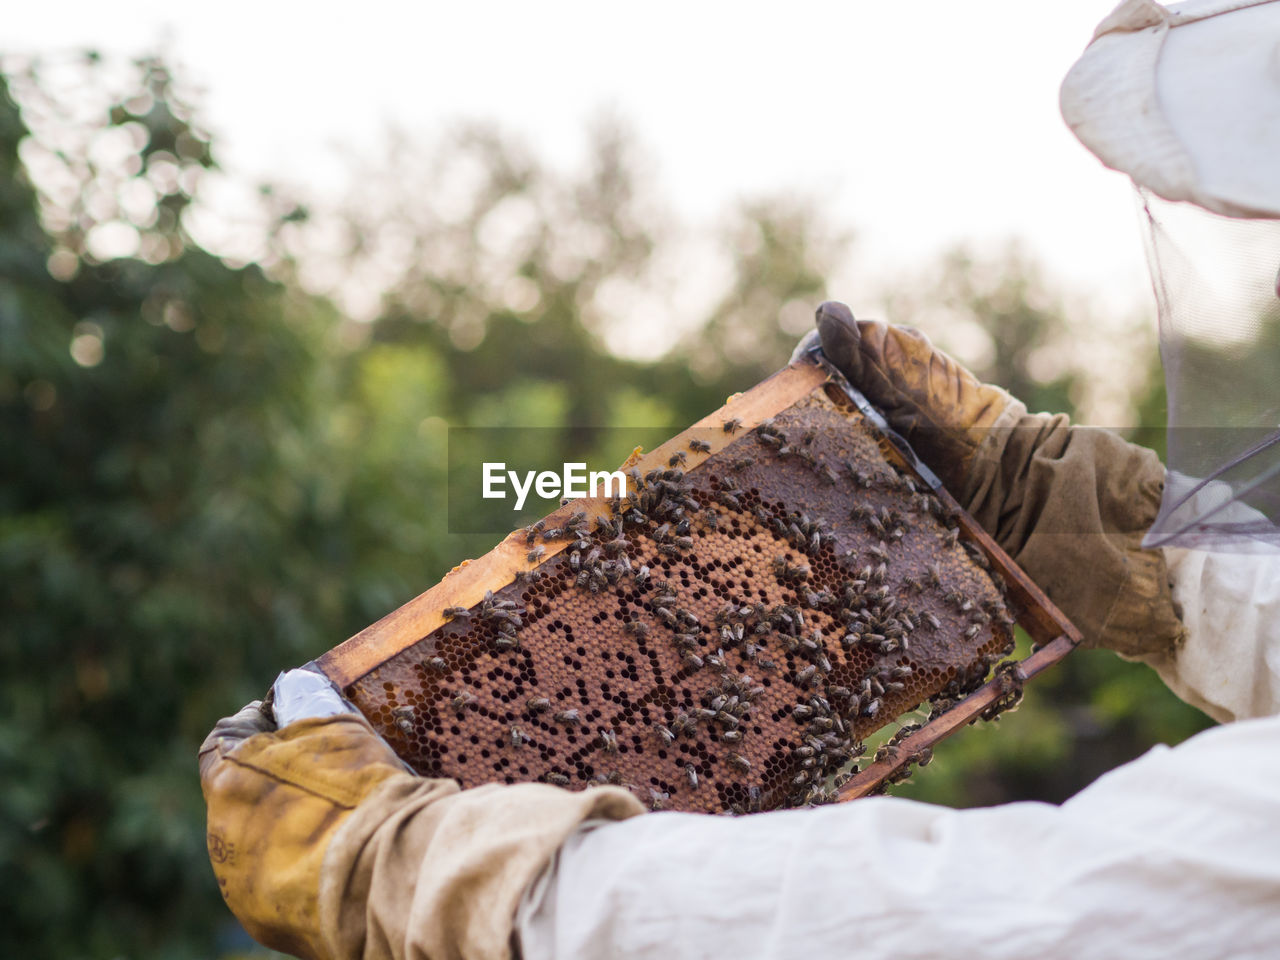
<point x="274" y="803"/>
<point x="1070" y="505"/>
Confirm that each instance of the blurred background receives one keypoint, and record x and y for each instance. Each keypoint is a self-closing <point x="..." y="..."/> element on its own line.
<point x="226" y="384"/>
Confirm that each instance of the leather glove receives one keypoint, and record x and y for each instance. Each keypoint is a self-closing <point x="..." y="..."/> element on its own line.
<point x="275" y="800"/>
<point x="1069" y="504"/>
<point x="325" y="847"/>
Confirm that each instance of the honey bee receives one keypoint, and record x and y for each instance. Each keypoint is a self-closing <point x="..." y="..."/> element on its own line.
<point x="741" y="464"/>
<point x="438" y="664"/>
<point x="455" y="613"/>
<point x="404" y="718"/>
<point x="567" y="717"/>
<point x="699" y="446"/>
<point x="536" y="553"/>
<point x="860" y="477"/>
<point x="683" y="723"/>
<point x="532" y="531"/>
<point x="679" y="458"/>
<point x="788" y="571"/>
<point x="738" y="762"/>
<point x="665" y="734"/>
<point x="557" y="779"/>
<point x="691" y="772"/>
<point x="460" y="702"/>
<point x="666" y="595"/>
<point x="732" y="425"/>
<point x="518" y="739"/>
<point x="608" y="741"/>
<point x="537" y="704"/>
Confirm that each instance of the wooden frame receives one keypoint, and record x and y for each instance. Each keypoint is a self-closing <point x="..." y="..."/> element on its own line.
<point x="467" y="584"/>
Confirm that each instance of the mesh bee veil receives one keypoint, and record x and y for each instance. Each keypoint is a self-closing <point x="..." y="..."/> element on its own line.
<point x="1185" y="98"/>
<point x="1216" y="290"/>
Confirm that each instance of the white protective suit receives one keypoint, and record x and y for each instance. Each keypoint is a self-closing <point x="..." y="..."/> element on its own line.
<point x="1175" y="855"/>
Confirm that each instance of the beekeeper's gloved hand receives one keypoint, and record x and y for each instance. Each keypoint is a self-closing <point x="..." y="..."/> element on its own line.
<point x="276" y="797"/>
<point x="1069" y="504"/>
<point x="325" y="846"/>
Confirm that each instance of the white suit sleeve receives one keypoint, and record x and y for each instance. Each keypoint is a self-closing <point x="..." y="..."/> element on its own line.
<point x="1176" y="855"/>
<point x="1229" y="664"/>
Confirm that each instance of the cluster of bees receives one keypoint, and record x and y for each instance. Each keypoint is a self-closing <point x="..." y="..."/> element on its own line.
<point x="783" y="650"/>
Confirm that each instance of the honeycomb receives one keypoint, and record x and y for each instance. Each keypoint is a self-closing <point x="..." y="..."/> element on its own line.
<point x="724" y="637"/>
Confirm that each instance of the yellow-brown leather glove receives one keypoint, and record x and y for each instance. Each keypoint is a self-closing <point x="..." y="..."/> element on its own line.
<point x="275" y="800"/>
<point x="1069" y="504"/>
<point x="326" y="848"/>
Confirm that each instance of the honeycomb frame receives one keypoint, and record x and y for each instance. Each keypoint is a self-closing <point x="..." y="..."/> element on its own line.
<point x="780" y="581"/>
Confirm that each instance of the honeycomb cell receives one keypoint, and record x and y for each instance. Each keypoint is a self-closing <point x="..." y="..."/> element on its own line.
<point x="800" y="593"/>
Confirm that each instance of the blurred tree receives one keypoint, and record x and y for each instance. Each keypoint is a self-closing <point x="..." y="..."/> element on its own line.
<point x="781" y="250"/>
<point x="164" y="531"/>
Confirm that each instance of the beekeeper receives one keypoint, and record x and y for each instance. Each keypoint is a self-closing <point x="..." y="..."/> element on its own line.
<point x="324" y="846"/>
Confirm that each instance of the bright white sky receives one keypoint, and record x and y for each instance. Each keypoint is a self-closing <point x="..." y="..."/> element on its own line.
<point x="924" y="123"/>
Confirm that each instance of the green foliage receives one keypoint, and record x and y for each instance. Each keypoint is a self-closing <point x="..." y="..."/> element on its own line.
<point x="211" y="475"/>
<point x="163" y="548"/>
